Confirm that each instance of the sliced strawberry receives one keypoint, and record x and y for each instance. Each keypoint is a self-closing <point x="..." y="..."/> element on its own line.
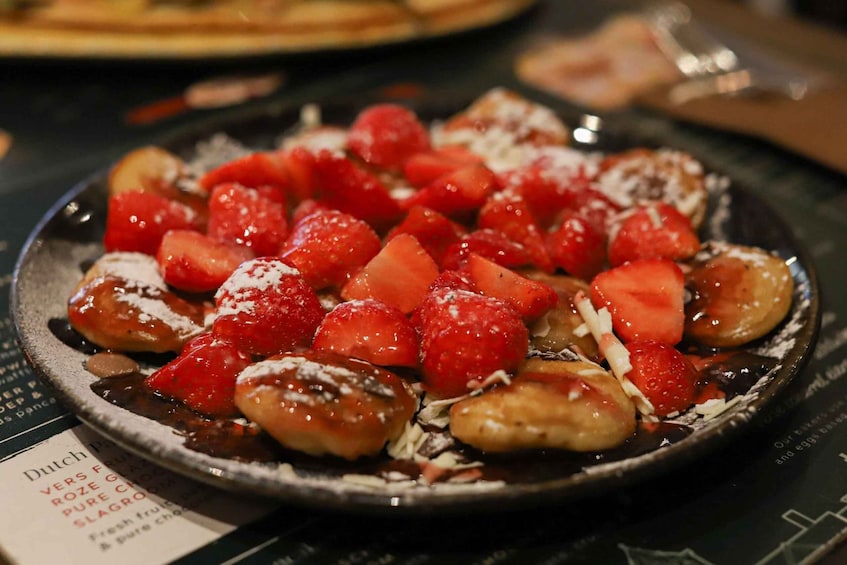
<point x="544" y="196"/>
<point x="344" y="186"/>
<point x="242" y="216"/>
<point x="650" y="231"/>
<point x="432" y="230"/>
<point x="423" y="168"/>
<point x="455" y="280"/>
<point x="490" y="244"/>
<point x="253" y="171"/>
<point x="465" y="337"/>
<point x="328" y="247"/>
<point x="300" y="166"/>
<point x="577" y="247"/>
<point x="399" y="275"/>
<point x="370" y="330"/>
<point x="307" y="208"/>
<point x="202" y="376"/>
<point x="509" y="214"/>
<point x="265" y="307"/>
<point x="596" y="207"/>
<point x="645" y="299"/>
<point x="386" y="135"/>
<point x="663" y="374"/>
<point x="531" y="299"/>
<point x="137" y="221"/>
<point x="273" y="193"/>
<point x="458" y="193"/>
<point x="193" y="262"/>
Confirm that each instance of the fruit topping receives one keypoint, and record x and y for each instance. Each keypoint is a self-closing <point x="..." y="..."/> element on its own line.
<point x="645" y="299"/>
<point x="137" y="221"/>
<point x="465" y="337"/>
<point x="194" y="262"/>
<point x="266" y="307"/>
<point x="328" y="247"/>
<point x="202" y="376"/>
<point x="577" y="247"/>
<point x="399" y="275"/>
<point x="387" y="135"/>
<point x="434" y="231"/>
<point x="653" y="231"/>
<point x="530" y="298"/>
<point x="535" y="296"/>
<point x="663" y="375"/>
<point x="344" y="186"/>
<point x="369" y="330"/>
<point x="243" y="216"/>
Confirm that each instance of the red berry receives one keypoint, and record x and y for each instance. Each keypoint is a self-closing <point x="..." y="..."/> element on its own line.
<point x="645" y="299"/>
<point x="490" y="244"/>
<point x="137" y="221"/>
<point x="329" y="247"/>
<point x="346" y="187"/>
<point x="300" y="166"/>
<point x="423" y="168"/>
<point x="663" y="374"/>
<point x="531" y="299"/>
<point x="265" y="307"/>
<point x="399" y="275"/>
<point x="466" y="337"/>
<point x="242" y="216"/>
<point x="370" y="330"/>
<point x="193" y="262"/>
<point x="546" y="197"/>
<point x="458" y="193"/>
<point x="202" y="376"/>
<point x="653" y="231"/>
<point x="386" y="135"/>
<point x="253" y="171"/>
<point x="509" y="214"/>
<point x="432" y="230"/>
<point x="577" y="247"/>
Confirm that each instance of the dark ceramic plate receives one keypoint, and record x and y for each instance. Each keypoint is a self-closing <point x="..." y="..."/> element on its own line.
<point x="69" y="236"/>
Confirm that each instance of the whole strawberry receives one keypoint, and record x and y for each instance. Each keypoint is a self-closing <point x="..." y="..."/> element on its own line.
<point x="465" y="337"/>
<point x="265" y="307"/>
<point x="663" y="374"/>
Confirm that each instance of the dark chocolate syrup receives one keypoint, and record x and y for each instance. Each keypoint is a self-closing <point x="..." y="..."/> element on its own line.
<point x="733" y="372"/>
<point x="233" y="440"/>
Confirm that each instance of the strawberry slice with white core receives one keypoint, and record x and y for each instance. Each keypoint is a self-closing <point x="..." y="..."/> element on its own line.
<point x="399" y="275"/>
<point x="645" y="299"/>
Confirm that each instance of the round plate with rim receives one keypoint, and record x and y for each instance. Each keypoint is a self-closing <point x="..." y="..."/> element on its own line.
<point x="69" y="237"/>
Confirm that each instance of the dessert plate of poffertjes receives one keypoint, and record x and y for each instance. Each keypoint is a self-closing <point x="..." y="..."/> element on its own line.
<point x="365" y="305"/>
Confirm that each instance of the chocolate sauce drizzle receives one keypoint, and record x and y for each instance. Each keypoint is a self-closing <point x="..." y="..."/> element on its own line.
<point x="733" y="374"/>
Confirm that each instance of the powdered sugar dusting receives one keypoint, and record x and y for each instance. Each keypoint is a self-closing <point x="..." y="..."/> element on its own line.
<point x="132" y="267"/>
<point x="236" y="295"/>
<point x="153" y="308"/>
